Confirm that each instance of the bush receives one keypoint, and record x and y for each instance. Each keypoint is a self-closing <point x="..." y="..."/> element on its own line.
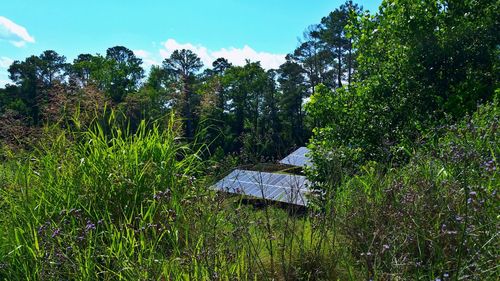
<point x="435" y="217"/>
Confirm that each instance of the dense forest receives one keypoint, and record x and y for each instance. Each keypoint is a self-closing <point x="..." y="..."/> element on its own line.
<point x="106" y="167"/>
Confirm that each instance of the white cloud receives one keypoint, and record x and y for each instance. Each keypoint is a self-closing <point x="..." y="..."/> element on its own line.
<point x="236" y="56"/>
<point x="5" y="62"/>
<point x="146" y="57"/>
<point x="16" y="34"/>
<point x="141" y="53"/>
<point x="171" y="45"/>
<point x="239" y="56"/>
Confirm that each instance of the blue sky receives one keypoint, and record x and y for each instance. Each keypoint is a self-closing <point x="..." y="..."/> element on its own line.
<point x="262" y="30"/>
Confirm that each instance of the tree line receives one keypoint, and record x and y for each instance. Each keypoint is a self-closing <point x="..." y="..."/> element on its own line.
<point x="371" y="81"/>
<point x="234" y="108"/>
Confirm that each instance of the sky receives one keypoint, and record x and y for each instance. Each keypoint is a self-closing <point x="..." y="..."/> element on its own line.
<point x="259" y="30"/>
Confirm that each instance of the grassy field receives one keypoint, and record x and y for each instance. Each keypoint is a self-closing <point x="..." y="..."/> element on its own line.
<point x="101" y="203"/>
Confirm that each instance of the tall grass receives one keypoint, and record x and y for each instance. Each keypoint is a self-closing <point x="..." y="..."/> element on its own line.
<point x="96" y="203"/>
<point x="107" y="203"/>
<point x="110" y="204"/>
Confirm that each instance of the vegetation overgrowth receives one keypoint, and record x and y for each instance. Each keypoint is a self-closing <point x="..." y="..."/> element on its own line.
<point x="105" y="175"/>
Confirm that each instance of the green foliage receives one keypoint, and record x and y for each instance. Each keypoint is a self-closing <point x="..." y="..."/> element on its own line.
<point x="293" y="91"/>
<point x="105" y="203"/>
<point x="183" y="65"/>
<point x="123" y="72"/>
<point x="69" y="199"/>
<point x="413" y="196"/>
<point x="107" y="189"/>
<point x="33" y="77"/>
<point x="435" y="217"/>
<point x="252" y="109"/>
<point x="418" y="67"/>
<point x="333" y="31"/>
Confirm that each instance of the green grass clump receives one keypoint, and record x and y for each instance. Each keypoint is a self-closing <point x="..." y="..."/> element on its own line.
<point x="96" y="204"/>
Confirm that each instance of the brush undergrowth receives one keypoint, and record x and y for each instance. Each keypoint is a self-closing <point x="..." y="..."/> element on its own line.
<point x="105" y="203"/>
<point x="434" y="218"/>
<point x="109" y="204"/>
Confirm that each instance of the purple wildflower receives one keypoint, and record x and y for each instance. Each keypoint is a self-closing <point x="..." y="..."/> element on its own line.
<point x="162" y="194"/>
<point x="40" y="229"/>
<point x="489" y="166"/>
<point x="56" y="232"/>
<point x="89" y="226"/>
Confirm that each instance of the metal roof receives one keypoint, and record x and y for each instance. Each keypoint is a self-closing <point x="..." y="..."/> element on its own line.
<point x="297" y="158"/>
<point x="276" y="187"/>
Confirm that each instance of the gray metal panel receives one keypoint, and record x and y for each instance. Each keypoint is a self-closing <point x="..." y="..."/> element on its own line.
<point x="278" y="187"/>
<point x="298" y="158"/>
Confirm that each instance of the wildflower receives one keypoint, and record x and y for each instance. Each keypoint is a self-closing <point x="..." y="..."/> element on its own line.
<point x="56" y="232"/>
<point x="89" y="226"/>
<point x="489" y="166"/>
<point x="386" y="247"/>
<point x="76" y="212"/>
<point x="446" y="275"/>
<point x="162" y="194"/>
<point x="40" y="229"/>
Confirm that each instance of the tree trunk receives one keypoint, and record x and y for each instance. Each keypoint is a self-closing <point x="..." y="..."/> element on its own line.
<point x="187" y="107"/>
<point x="339" y="68"/>
<point x="350" y="62"/>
